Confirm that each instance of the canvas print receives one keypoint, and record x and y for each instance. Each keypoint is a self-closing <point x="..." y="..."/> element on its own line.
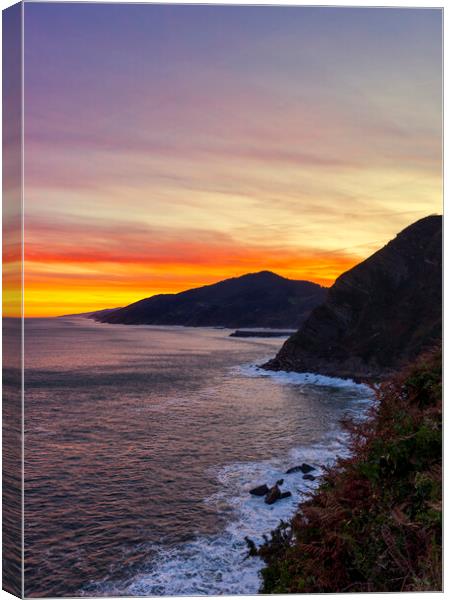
<point x="222" y="299"/>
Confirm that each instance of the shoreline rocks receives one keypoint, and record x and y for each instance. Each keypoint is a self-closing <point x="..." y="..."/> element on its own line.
<point x="240" y="333"/>
<point x="305" y="468"/>
<point x="286" y="494"/>
<point x="272" y="494"/>
<point x="260" y="490"/>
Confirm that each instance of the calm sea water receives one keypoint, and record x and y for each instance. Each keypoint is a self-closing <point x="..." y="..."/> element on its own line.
<point x="141" y="444"/>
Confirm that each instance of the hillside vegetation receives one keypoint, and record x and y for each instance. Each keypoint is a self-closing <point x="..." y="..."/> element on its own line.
<point x="374" y="524"/>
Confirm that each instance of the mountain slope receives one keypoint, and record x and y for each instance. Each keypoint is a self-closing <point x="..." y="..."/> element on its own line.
<point x="255" y="300"/>
<point x="378" y="315"/>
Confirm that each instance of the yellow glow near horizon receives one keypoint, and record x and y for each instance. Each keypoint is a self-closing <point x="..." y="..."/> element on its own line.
<point x="68" y="294"/>
<point x="302" y="141"/>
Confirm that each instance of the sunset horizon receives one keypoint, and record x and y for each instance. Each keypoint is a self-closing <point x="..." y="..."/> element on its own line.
<point x="198" y="279"/>
<point x="290" y="145"/>
<point x="302" y="271"/>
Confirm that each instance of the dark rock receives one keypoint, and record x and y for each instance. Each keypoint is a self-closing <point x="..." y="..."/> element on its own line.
<point x="309" y="477"/>
<point x="293" y="470"/>
<point x="273" y="495"/>
<point x="305" y="468"/>
<point x="260" y="490"/>
<point x="260" y="334"/>
<point x="280" y="482"/>
<point x="285" y="495"/>
<point x="252" y="548"/>
<point x="377" y="316"/>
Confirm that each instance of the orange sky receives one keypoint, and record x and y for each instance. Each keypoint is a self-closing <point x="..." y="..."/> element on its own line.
<point x="167" y="147"/>
<point x="67" y="268"/>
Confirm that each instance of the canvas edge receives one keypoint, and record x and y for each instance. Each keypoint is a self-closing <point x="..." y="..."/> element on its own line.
<point x="12" y="325"/>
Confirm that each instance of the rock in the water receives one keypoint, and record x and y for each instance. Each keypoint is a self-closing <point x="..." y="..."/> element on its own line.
<point x="260" y="490"/>
<point x="260" y="334"/>
<point x="309" y="477"/>
<point x="280" y="482"/>
<point x="252" y="548"/>
<point x="305" y="468"/>
<point x="293" y="470"/>
<point x="273" y="495"/>
<point x="285" y="495"/>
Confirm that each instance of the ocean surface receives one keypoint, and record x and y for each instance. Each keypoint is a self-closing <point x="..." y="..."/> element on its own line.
<point x="141" y="444"/>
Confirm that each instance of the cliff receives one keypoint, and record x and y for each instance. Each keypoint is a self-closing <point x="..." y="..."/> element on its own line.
<point x="377" y="316"/>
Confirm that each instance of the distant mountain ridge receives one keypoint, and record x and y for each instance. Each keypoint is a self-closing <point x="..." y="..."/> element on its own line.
<point x="261" y="299"/>
<point x="377" y="316"/>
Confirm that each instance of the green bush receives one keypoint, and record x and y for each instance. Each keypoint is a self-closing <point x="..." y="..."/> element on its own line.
<point x="374" y="524"/>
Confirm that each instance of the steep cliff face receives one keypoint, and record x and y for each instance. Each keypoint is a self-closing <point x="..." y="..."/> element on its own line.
<point x="254" y="300"/>
<point x="378" y="315"/>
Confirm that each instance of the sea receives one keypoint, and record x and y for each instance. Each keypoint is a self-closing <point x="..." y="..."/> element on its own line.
<point x="141" y="446"/>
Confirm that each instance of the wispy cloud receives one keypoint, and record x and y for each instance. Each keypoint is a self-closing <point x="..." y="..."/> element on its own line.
<point x="169" y="146"/>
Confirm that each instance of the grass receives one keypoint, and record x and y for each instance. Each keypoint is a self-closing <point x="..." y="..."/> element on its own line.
<point x="374" y="524"/>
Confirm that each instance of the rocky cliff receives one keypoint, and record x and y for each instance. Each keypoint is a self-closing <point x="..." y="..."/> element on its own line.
<point x="378" y="315"/>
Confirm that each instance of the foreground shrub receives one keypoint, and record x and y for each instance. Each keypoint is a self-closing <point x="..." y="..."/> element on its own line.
<point x="374" y="524"/>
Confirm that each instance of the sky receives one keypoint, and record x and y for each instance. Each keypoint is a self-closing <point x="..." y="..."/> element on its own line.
<point x="171" y="146"/>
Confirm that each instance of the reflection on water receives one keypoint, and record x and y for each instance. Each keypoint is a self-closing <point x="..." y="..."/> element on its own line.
<point x="12" y="456"/>
<point x="140" y="445"/>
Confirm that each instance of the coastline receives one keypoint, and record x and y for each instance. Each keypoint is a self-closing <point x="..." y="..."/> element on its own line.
<point x="216" y="435"/>
<point x="372" y="537"/>
<point x="310" y="378"/>
<point x="251" y="518"/>
<point x="217" y="564"/>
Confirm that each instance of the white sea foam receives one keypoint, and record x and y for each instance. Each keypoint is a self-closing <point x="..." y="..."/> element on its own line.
<point x="218" y="564"/>
<point x="251" y="370"/>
